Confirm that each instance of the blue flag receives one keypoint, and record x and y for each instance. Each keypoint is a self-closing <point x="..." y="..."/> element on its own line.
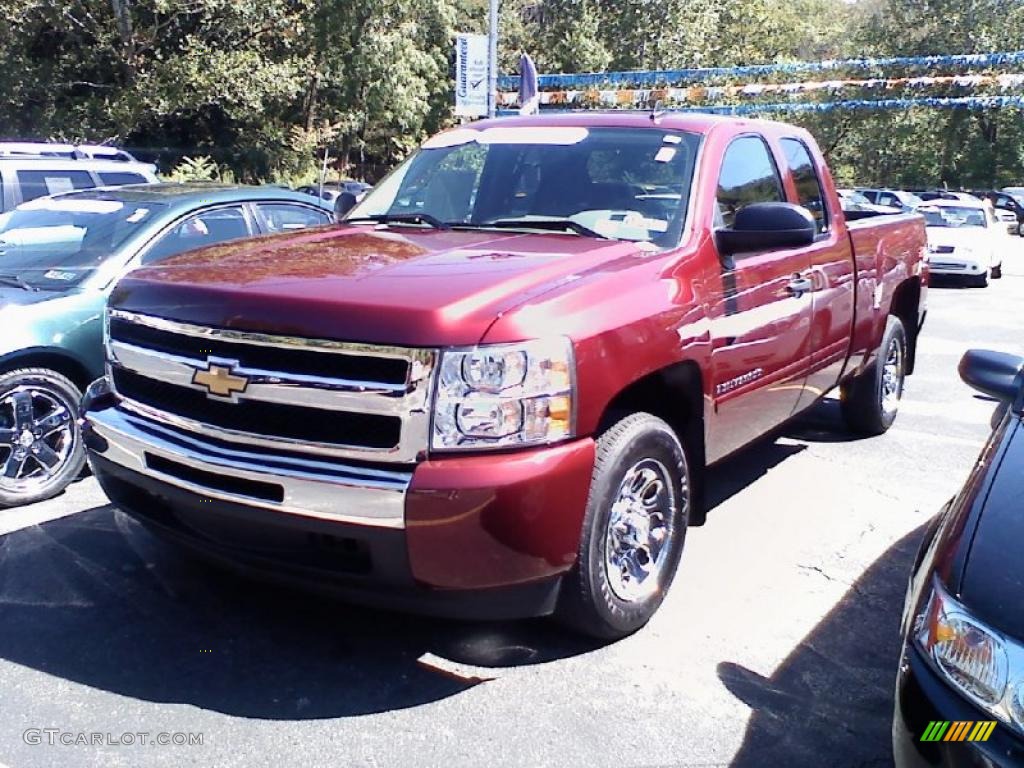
<point x="529" y="97"/>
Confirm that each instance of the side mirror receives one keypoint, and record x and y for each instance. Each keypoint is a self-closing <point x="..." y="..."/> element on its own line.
<point x="995" y="374"/>
<point x="767" y="227"/>
<point x="346" y="202"/>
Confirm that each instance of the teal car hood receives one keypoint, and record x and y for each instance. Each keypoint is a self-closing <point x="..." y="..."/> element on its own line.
<point x="20" y="297"/>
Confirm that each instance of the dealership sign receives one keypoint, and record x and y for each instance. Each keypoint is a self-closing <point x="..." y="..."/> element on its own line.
<point x="471" y="75"/>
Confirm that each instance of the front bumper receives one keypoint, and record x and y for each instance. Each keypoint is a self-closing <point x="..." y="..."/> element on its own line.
<point x="954" y="264"/>
<point x="481" y="536"/>
<point x="922" y="697"/>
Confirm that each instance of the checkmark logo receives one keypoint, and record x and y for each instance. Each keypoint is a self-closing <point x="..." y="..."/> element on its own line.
<point x="477" y="84"/>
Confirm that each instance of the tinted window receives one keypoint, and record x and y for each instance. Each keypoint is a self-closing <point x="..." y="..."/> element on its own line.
<point x="281" y="217"/>
<point x="198" y="230"/>
<point x="119" y="178"/>
<point x="40" y="183"/>
<point x="808" y="187"/>
<point x="748" y="176"/>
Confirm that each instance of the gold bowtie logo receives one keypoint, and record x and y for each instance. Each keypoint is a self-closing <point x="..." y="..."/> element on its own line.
<point x="219" y="380"/>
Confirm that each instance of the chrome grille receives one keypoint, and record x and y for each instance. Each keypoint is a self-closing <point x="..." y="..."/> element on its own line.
<point x="332" y="398"/>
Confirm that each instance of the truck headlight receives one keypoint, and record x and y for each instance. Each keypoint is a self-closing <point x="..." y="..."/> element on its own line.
<point x="505" y="395"/>
<point x="983" y="664"/>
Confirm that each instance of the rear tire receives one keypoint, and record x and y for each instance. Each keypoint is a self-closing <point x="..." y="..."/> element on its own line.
<point x="41" y="447"/>
<point x="870" y="402"/>
<point x="633" y="531"/>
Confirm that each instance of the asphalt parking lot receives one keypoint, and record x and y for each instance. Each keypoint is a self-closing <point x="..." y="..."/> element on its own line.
<point x="778" y="644"/>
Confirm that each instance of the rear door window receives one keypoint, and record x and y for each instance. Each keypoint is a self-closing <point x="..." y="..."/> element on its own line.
<point x="283" y="217"/>
<point x="748" y="176"/>
<point x="40" y="183"/>
<point x="805" y="177"/>
<point x="119" y="178"/>
<point x="199" y="230"/>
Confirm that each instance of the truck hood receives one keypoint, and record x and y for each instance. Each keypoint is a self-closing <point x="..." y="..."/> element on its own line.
<point x="400" y="285"/>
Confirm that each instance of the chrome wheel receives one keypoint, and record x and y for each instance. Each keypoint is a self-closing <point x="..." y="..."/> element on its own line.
<point x="37" y="436"/>
<point x="640" y="529"/>
<point x="892" y="378"/>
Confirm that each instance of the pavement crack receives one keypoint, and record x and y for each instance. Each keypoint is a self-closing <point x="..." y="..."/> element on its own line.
<point x="854" y="587"/>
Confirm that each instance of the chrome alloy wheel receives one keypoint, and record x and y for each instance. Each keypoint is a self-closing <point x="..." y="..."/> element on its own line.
<point x="892" y="378"/>
<point x="37" y="435"/>
<point x="640" y="530"/>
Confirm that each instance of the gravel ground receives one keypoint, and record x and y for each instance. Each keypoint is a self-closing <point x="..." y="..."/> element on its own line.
<point x="777" y="645"/>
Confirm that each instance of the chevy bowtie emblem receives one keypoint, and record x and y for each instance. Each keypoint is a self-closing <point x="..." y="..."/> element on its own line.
<point x="219" y="379"/>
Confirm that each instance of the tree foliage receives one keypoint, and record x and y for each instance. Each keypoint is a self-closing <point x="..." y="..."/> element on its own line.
<point x="263" y="89"/>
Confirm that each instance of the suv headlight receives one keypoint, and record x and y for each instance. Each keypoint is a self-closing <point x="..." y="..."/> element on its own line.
<point x="505" y="395"/>
<point x="983" y="664"/>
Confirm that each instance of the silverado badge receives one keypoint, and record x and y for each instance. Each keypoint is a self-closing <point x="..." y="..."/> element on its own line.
<point x="219" y="380"/>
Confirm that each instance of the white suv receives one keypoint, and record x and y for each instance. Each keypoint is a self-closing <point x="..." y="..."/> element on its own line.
<point x="31" y="170"/>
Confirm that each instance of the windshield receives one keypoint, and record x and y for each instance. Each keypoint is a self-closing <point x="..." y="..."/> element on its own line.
<point x="856" y="197"/>
<point x="952" y="216"/>
<point x="56" y="243"/>
<point x="622" y="183"/>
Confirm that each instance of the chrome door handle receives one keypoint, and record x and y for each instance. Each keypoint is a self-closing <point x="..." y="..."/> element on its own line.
<point x="800" y="285"/>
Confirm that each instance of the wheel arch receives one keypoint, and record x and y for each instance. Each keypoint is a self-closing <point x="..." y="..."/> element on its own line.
<point x="52" y="359"/>
<point x="906" y="303"/>
<point x="674" y="394"/>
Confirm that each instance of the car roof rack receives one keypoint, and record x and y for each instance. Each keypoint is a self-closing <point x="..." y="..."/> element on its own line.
<point x="46" y="150"/>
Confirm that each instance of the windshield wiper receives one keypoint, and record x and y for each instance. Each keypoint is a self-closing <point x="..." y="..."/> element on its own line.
<point x="554" y="225"/>
<point x="401" y="218"/>
<point x="17" y="282"/>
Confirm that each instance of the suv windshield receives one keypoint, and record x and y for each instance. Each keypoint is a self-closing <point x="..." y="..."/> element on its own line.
<point x="951" y="216"/>
<point x="56" y="243"/>
<point x="622" y="183"/>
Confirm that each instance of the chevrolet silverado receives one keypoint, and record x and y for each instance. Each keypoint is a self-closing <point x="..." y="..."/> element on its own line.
<point x="494" y="388"/>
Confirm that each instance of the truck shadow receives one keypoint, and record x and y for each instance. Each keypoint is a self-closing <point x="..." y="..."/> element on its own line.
<point x="95" y="599"/>
<point x="822" y="423"/>
<point x="729" y="477"/>
<point x="831" y="700"/>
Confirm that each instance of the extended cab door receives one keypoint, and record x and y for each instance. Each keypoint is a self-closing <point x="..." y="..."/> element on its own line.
<point x="761" y="322"/>
<point x="832" y="273"/>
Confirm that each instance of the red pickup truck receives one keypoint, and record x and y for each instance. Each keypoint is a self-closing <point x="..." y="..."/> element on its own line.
<point x="494" y="388"/>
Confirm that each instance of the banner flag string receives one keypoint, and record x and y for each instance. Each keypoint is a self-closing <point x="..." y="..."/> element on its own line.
<point x="653" y="78"/>
<point x="640" y="97"/>
<point x="968" y="102"/>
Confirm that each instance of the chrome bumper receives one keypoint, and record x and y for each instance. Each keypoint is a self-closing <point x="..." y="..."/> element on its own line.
<point x="310" y="487"/>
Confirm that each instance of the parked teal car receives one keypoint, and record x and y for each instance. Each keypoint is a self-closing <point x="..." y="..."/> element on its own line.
<point x="59" y="258"/>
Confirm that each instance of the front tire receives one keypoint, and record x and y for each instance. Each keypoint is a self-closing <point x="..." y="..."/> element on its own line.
<point x="41" y="447"/>
<point x="633" y="531"/>
<point x="870" y="402"/>
<point x="997" y="271"/>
